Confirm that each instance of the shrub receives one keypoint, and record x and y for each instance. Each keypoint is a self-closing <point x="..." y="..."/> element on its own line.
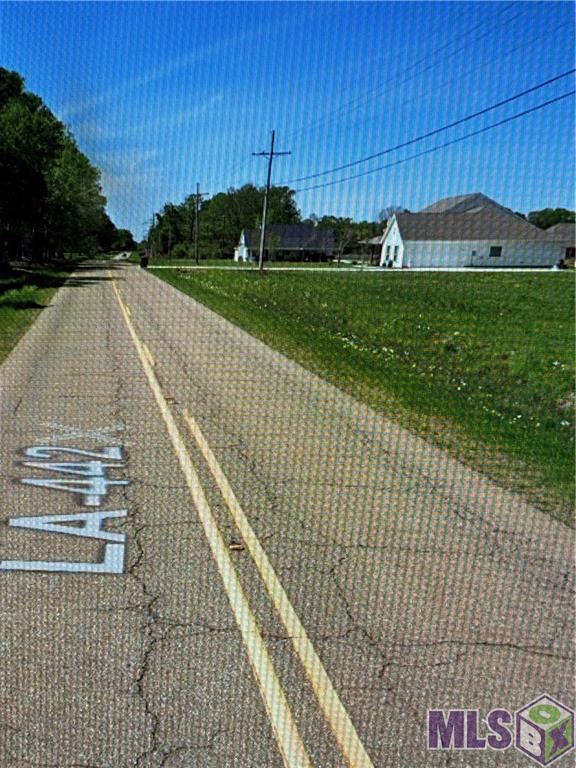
<point x="23" y="298"/>
<point x="181" y="251"/>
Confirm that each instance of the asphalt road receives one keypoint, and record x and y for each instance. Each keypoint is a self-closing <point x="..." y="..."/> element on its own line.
<point x="283" y="578"/>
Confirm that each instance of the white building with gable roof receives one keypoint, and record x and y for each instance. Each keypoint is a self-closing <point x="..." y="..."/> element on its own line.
<point x="466" y="231"/>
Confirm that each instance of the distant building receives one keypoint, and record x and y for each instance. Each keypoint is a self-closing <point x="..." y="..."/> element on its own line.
<point x="471" y="203"/>
<point x="287" y="242"/>
<point x="466" y="231"/>
<point x="565" y="236"/>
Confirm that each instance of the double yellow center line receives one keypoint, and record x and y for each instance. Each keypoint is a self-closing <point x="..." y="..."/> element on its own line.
<point x="287" y="736"/>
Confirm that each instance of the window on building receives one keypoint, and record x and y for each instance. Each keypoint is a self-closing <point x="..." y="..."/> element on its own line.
<point x="395" y="252"/>
<point x="388" y="251"/>
<point x="495" y="251"/>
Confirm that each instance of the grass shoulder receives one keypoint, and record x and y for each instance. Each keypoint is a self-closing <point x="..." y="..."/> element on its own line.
<point x="24" y="293"/>
<point x="481" y="364"/>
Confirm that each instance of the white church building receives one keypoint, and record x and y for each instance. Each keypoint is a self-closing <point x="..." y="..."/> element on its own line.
<point x="466" y="231"/>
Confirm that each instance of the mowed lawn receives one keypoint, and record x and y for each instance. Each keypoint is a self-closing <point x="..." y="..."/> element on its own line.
<point x="23" y="295"/>
<point x="480" y="363"/>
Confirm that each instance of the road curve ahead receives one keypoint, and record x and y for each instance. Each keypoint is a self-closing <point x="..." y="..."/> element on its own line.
<point x="211" y="557"/>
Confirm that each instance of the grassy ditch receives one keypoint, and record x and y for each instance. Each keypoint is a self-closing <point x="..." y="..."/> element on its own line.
<point x="23" y="295"/>
<point x="482" y="364"/>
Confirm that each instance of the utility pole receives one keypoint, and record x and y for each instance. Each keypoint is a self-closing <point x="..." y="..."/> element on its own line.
<point x="149" y="241"/>
<point x="155" y="221"/>
<point x="270" y="155"/>
<point x="199" y="195"/>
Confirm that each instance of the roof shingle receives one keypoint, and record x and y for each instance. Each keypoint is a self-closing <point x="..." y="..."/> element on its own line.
<point x="563" y="232"/>
<point x="486" y="224"/>
<point x="295" y="237"/>
<point x="463" y="204"/>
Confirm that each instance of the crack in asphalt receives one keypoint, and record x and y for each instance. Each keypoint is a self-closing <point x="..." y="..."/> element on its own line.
<point x="149" y="642"/>
<point x="503" y="543"/>
<point x="535" y="650"/>
<point x="147" y="607"/>
<point x="347" y="607"/>
<point x="156" y="629"/>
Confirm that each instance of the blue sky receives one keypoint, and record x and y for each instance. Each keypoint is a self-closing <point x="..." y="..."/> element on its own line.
<point x="161" y="95"/>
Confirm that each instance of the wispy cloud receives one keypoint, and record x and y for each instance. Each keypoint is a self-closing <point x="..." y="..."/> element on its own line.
<point x="160" y="72"/>
<point x="180" y="119"/>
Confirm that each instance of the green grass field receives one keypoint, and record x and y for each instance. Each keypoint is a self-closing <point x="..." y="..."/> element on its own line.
<point x="482" y="364"/>
<point x="23" y="295"/>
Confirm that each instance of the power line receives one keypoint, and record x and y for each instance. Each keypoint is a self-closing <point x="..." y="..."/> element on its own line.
<point x="489" y="62"/>
<point x="442" y="146"/>
<point x="435" y="131"/>
<point x="270" y="155"/>
<point x="355" y="103"/>
<point x="367" y="97"/>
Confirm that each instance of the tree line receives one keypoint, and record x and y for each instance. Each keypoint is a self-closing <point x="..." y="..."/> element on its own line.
<point x="548" y="217"/>
<point x="223" y="217"/>
<point x="51" y="201"/>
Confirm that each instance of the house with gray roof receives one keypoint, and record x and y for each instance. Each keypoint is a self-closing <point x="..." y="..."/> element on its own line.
<point x="466" y="231"/>
<point x="287" y="242"/>
<point x="564" y="234"/>
<point x="470" y="203"/>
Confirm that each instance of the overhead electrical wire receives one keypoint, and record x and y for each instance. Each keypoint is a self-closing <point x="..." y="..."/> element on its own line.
<point x="367" y="97"/>
<point x="442" y="146"/>
<point x="241" y="164"/>
<point x="434" y="132"/>
<point x="487" y="63"/>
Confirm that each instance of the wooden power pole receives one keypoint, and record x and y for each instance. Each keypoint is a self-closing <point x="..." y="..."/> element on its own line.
<point x="270" y="155"/>
<point x="199" y="195"/>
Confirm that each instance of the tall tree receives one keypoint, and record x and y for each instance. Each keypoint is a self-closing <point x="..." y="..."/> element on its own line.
<point x="30" y="141"/>
<point x="74" y="203"/>
<point x="547" y="217"/>
<point x="344" y="232"/>
<point x="222" y="219"/>
<point x="123" y="241"/>
<point x="50" y="195"/>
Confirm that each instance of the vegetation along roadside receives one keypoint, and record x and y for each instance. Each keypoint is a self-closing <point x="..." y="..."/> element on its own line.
<point x="482" y="364"/>
<point x="23" y="295"/>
